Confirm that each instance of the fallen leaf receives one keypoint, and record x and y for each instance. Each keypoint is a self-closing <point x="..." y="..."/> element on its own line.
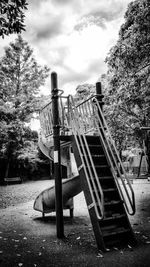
<point x="145" y="237"/>
<point x="18" y="255"/>
<point x="20" y="264"/>
<point x="99" y="255"/>
<point x="40" y="253"/>
<point x="44" y="240"/>
<point x="1" y="251"/>
<point x="16" y="240"/>
<point x="147" y="242"/>
<point x="121" y="252"/>
<point x="115" y="248"/>
<point x="78" y="238"/>
<point x="129" y="246"/>
<point x="0" y="237"/>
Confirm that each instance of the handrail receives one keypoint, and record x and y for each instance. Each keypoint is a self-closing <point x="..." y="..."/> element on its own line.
<point x="84" y="118"/>
<point x="109" y="147"/>
<point x="76" y="120"/>
<point x="90" y="117"/>
<point x="46" y="118"/>
<point x="97" y="122"/>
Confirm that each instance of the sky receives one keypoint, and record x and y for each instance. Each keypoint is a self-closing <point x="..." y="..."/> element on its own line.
<point x="72" y="37"/>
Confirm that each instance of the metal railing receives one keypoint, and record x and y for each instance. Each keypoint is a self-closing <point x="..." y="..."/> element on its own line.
<point x="46" y="117"/>
<point x="84" y="119"/>
<point x="87" y="118"/>
<point x="78" y="121"/>
<point x="118" y="171"/>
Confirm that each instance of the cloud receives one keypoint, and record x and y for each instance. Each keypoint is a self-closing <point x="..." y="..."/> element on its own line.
<point x="101" y="13"/>
<point x="63" y="2"/>
<point x="43" y="22"/>
<point x="48" y="29"/>
<point x="73" y="37"/>
<point x="89" y="20"/>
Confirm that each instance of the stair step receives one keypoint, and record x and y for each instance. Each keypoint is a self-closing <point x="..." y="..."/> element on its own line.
<point x="113" y="202"/>
<point x="95" y="145"/>
<point x="98" y="155"/>
<point x="114" y="217"/>
<point x="105" y="177"/>
<point x="92" y="139"/>
<point x="112" y="223"/>
<point x="102" y="166"/>
<point x="118" y="231"/>
<point x="96" y="149"/>
<point x="97" y="159"/>
<point x="106" y="190"/>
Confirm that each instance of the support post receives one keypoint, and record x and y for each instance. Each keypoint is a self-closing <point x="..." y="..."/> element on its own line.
<point x="99" y="94"/>
<point x="57" y="157"/>
<point x="100" y="98"/>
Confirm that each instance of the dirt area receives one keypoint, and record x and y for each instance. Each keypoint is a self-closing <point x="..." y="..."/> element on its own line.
<point x="27" y="239"/>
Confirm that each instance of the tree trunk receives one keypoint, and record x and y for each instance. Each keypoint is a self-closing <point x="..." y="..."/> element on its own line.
<point x="7" y="168"/>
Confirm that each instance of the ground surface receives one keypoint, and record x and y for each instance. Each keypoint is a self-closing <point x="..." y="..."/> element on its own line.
<point x="27" y="239"/>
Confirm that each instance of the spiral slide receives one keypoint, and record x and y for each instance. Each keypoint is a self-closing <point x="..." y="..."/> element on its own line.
<point x="45" y="201"/>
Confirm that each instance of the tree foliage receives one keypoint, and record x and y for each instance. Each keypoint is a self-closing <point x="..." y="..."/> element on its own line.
<point x="12" y="16"/>
<point x="129" y="71"/>
<point x="83" y="91"/>
<point x="20" y="81"/>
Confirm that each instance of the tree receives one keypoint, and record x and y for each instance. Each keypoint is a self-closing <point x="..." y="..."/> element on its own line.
<point x="20" y="81"/>
<point x="12" y="16"/>
<point x="129" y="70"/>
<point x="84" y="91"/>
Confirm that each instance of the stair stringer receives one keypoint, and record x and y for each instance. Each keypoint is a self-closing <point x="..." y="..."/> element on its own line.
<point x="88" y="198"/>
<point x="96" y="223"/>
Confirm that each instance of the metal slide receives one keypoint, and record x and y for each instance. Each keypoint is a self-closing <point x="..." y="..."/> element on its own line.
<point x="45" y="201"/>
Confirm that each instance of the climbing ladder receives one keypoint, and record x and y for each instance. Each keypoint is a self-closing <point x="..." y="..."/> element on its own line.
<point x="107" y="189"/>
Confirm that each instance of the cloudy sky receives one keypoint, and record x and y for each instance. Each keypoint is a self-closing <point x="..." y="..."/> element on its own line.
<point x="72" y="37"/>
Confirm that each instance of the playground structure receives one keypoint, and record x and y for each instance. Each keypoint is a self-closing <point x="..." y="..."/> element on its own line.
<point x="80" y="131"/>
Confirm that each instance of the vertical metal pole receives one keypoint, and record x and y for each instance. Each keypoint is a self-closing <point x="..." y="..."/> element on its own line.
<point x="57" y="157"/>
<point x="99" y="94"/>
<point x="99" y="98"/>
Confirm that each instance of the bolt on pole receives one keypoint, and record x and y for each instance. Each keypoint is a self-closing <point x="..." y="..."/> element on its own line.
<point x="57" y="157"/>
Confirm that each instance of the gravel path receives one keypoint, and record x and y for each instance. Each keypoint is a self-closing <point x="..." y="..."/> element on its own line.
<point x="12" y="195"/>
<point x="27" y="239"/>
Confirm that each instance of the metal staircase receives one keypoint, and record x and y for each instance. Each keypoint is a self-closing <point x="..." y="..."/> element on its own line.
<point x="108" y="192"/>
<point x="107" y="189"/>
